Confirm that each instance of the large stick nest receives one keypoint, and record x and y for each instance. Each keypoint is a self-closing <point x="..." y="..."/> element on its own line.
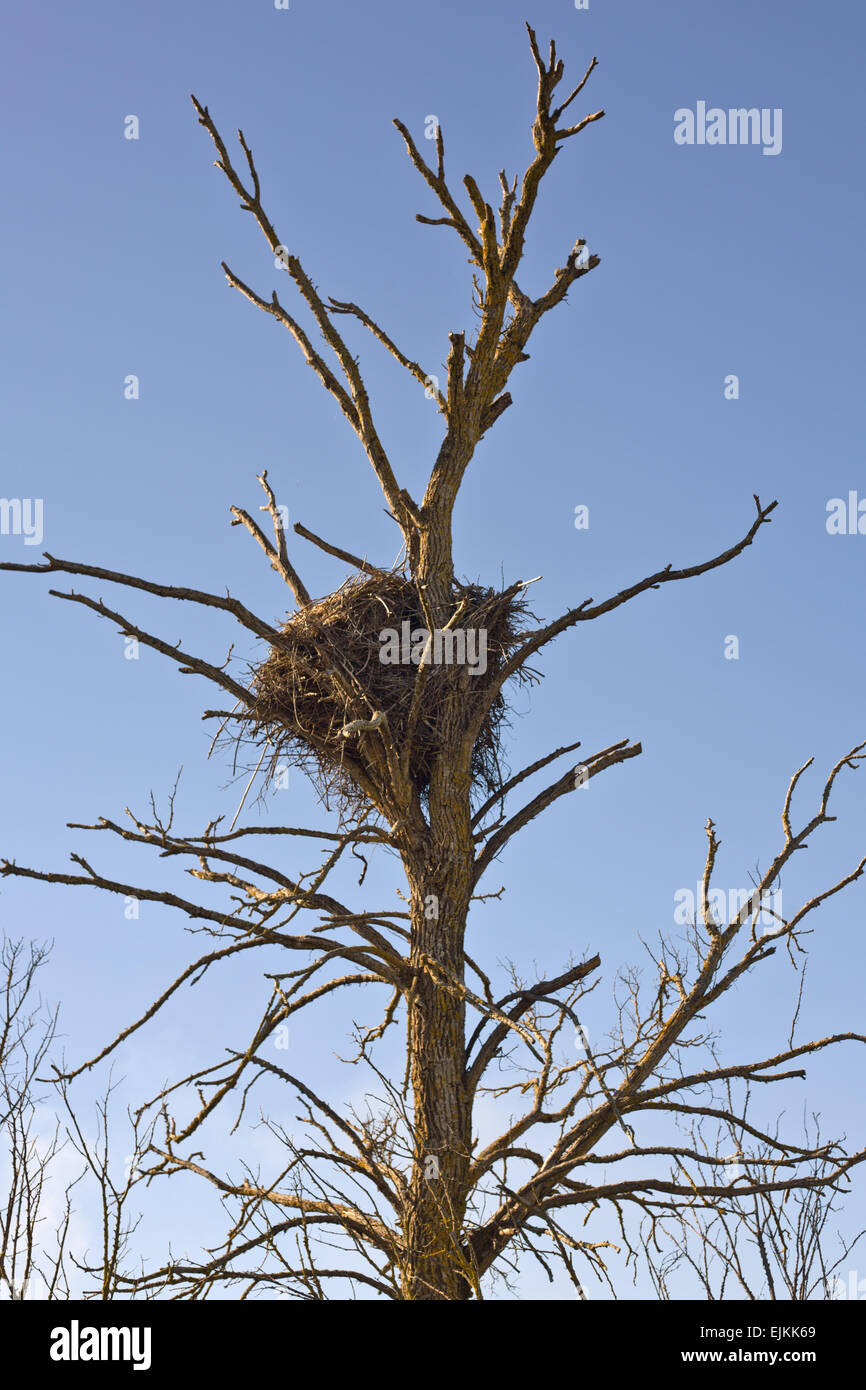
<point x="327" y="672"/>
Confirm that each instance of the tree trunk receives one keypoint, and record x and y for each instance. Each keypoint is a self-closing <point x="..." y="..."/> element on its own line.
<point x="441" y="888"/>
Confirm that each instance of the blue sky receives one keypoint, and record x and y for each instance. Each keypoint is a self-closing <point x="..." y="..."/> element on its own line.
<point x="715" y="260"/>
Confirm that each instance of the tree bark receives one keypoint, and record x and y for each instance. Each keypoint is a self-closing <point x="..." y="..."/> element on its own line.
<point x="441" y="888"/>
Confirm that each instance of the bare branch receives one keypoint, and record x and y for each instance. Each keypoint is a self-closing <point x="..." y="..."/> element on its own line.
<point x="363" y="565"/>
<point x="586" y="612"/>
<point x="188" y="665"/>
<point x="278" y="555"/>
<point x="599" y="762"/>
<point x="356" y="406"/>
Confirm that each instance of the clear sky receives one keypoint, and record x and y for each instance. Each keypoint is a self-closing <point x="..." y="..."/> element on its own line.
<point x="716" y="260"/>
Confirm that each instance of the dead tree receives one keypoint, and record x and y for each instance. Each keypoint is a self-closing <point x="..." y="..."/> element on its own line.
<point x="765" y="1246"/>
<point x="26" y="1034"/>
<point x="408" y="756"/>
<point x="37" y="1255"/>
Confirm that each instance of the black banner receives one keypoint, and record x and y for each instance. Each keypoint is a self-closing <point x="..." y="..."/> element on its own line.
<point x="165" y="1340"/>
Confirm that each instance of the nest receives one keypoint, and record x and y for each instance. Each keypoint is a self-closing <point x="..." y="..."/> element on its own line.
<point x="327" y="672"/>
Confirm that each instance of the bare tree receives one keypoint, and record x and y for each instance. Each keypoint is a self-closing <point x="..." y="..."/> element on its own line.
<point x="28" y="1029"/>
<point x="407" y="753"/>
<point x="765" y="1246"/>
<point x="36" y="1202"/>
